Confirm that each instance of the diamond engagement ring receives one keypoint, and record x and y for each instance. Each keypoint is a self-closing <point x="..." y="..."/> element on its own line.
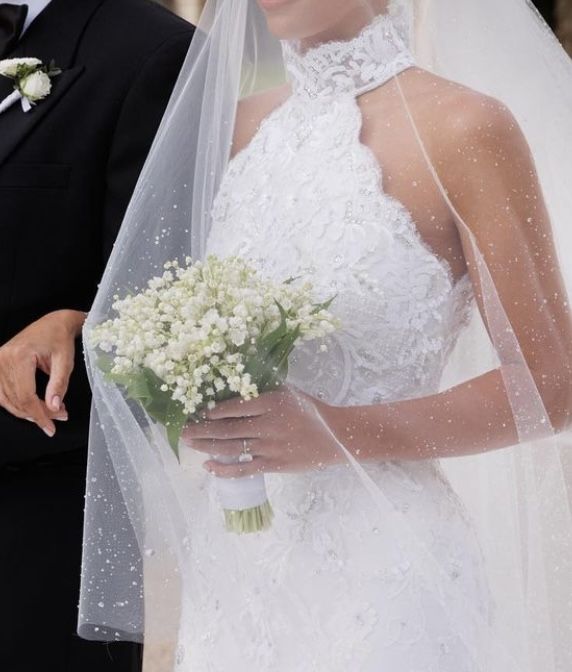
<point x="246" y="455"/>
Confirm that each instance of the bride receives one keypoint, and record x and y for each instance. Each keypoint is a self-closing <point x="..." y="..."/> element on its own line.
<point x="411" y="460"/>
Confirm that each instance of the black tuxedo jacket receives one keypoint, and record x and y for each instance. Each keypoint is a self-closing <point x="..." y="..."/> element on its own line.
<point x="68" y="169"/>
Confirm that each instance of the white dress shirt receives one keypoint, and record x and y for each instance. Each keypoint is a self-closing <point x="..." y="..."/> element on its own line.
<point x="35" y="7"/>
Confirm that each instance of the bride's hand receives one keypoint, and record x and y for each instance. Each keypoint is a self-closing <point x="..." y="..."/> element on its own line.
<point x="281" y="430"/>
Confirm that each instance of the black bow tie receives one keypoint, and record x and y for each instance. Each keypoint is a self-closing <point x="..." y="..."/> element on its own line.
<point x="12" y="19"/>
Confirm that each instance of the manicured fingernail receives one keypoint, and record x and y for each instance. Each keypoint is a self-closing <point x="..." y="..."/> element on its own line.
<point x="56" y="402"/>
<point x="49" y="431"/>
<point x="62" y="418"/>
<point x="30" y="419"/>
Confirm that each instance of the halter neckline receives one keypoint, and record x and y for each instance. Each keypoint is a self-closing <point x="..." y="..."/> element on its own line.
<point x="353" y="67"/>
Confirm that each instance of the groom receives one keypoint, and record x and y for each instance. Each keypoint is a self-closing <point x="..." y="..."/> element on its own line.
<point x="71" y="150"/>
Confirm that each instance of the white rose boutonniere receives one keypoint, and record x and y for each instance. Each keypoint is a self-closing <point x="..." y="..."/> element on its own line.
<point x="11" y="66"/>
<point x="36" y="86"/>
<point x="32" y="81"/>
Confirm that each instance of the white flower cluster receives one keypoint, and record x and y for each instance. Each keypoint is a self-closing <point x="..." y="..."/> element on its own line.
<point x="197" y="325"/>
<point x="12" y="67"/>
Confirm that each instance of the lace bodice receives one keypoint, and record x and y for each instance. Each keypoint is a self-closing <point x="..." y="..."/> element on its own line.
<point x="305" y="198"/>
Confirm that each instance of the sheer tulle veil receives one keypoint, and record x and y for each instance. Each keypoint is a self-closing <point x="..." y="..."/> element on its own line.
<point x="137" y="540"/>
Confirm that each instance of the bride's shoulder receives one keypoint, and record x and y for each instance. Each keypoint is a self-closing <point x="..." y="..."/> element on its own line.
<point x="454" y="115"/>
<point x="252" y="111"/>
<point x="471" y="138"/>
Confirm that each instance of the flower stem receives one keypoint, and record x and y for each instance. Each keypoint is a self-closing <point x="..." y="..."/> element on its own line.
<point x="249" y="521"/>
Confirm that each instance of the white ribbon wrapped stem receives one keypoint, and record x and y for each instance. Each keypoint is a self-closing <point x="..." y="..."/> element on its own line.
<point x="240" y="494"/>
<point x="10" y="100"/>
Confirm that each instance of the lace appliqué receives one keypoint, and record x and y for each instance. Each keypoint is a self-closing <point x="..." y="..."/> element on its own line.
<point x="376" y="55"/>
<point x="400" y="311"/>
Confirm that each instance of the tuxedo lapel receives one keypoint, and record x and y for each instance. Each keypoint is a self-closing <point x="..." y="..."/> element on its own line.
<point x="21" y="123"/>
<point x="54" y="35"/>
<point x="56" y="32"/>
<point x="6" y="87"/>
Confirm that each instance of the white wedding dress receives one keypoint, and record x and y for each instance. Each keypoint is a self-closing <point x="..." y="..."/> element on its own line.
<point x="329" y="589"/>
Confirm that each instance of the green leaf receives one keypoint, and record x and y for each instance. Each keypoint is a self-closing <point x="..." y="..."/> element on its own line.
<point x="282" y="352"/>
<point x="323" y="306"/>
<point x="292" y="279"/>
<point x="144" y="387"/>
<point x="53" y="69"/>
<point x="140" y="387"/>
<point x="105" y="363"/>
<point x="267" y="342"/>
<point x="176" y="420"/>
<point x="268" y="367"/>
<point x="283" y="313"/>
<point x="273" y="369"/>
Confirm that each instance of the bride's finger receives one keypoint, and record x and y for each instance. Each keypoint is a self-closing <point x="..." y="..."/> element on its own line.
<point x="238" y="408"/>
<point x="228" y="428"/>
<point x="226" y="448"/>
<point x="259" y="465"/>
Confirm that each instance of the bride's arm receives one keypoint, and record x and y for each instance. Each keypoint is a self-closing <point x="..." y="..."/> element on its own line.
<point x="489" y="176"/>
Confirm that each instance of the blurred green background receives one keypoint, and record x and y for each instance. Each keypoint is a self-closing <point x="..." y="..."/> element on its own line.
<point x="558" y="13"/>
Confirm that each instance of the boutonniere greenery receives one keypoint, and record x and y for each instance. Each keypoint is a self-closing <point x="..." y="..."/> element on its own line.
<point x="32" y="81"/>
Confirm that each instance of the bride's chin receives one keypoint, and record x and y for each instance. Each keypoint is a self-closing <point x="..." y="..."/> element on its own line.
<point x="317" y="20"/>
<point x="289" y="19"/>
<point x="273" y="5"/>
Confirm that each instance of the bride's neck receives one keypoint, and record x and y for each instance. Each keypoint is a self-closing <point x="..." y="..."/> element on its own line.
<point x="351" y="25"/>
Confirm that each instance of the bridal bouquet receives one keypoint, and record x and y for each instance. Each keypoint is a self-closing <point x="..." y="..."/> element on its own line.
<point x="203" y="333"/>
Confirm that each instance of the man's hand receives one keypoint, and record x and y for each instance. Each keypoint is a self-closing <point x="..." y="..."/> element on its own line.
<point x="49" y="345"/>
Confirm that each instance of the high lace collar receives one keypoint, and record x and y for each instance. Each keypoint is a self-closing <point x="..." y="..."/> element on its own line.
<point x="378" y="53"/>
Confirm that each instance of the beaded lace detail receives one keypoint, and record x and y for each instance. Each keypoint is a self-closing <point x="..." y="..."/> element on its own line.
<point x="376" y="55"/>
<point x="328" y="589"/>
